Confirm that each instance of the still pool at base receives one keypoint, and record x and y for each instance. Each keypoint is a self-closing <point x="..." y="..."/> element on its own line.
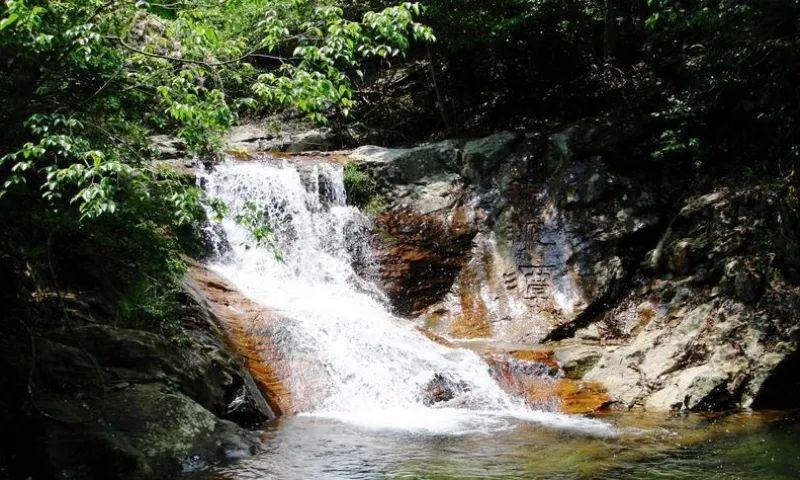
<point x="750" y="446"/>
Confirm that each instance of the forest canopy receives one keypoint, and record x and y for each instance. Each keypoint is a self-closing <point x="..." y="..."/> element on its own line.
<point x="89" y="79"/>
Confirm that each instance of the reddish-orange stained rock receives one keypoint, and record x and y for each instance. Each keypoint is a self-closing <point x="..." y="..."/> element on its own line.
<point x="471" y="322"/>
<point x="542" y="356"/>
<point x="523" y="372"/>
<point x="238" y="316"/>
<point x="419" y="257"/>
<point x="574" y="396"/>
<point x="517" y="372"/>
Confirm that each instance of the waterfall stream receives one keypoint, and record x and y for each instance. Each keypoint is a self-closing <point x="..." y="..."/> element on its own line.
<point x="372" y="368"/>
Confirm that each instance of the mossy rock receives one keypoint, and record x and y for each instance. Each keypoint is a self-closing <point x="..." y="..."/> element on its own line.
<point x="140" y="431"/>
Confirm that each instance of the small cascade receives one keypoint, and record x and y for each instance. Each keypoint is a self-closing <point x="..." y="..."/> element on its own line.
<point x="360" y="363"/>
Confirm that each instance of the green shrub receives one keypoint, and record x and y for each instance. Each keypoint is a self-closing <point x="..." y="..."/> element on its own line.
<point x="359" y="185"/>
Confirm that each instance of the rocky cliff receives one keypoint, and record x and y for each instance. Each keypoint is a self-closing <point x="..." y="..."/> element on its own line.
<point x="671" y="289"/>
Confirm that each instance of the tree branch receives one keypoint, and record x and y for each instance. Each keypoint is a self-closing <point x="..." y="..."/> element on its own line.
<point x="251" y="53"/>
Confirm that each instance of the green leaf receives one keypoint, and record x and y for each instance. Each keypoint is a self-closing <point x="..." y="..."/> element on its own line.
<point x="8" y="21"/>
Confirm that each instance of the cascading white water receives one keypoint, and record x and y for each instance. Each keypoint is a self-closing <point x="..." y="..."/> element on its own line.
<point x="374" y="366"/>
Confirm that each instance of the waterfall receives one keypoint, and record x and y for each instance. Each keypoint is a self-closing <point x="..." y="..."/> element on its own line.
<point x="374" y="367"/>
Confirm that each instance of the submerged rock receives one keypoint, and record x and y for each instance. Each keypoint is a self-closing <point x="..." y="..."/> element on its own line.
<point x="442" y="388"/>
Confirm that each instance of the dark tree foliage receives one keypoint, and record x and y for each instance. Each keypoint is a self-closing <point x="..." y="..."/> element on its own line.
<point x="730" y="72"/>
<point x="718" y="77"/>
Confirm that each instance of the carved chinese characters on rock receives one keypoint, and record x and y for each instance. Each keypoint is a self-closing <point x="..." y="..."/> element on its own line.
<point x="531" y="274"/>
<point x="537" y="281"/>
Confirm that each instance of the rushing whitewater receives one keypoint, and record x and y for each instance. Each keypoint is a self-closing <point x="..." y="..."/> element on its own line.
<point x="364" y="365"/>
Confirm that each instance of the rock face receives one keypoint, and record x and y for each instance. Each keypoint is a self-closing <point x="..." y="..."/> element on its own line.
<point x="247" y="328"/>
<point x="83" y="398"/>
<point x="543" y="253"/>
<point x="420" y="255"/>
<point x="672" y="296"/>
<point x="289" y="379"/>
<point x="714" y="322"/>
<point x="278" y="135"/>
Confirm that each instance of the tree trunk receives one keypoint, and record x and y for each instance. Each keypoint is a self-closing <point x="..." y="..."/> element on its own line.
<point x="610" y="32"/>
<point x="437" y="91"/>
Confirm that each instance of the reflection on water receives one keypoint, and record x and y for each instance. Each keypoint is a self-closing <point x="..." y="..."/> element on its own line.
<point x="740" y="446"/>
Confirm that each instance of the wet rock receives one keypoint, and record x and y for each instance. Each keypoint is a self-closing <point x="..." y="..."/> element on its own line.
<point x="548" y="272"/>
<point x="441" y="388"/>
<point x="534" y="363"/>
<point x="142" y="431"/>
<point x="541" y="263"/>
<point x="539" y="357"/>
<point x="113" y="402"/>
<point x="266" y="368"/>
<point x="419" y="256"/>
<point x="248" y="408"/>
<point x="682" y="302"/>
<point x="576" y="359"/>
<point x="541" y="384"/>
<point x="465" y="311"/>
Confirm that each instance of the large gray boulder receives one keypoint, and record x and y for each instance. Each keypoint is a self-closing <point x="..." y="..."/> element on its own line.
<point x="87" y="399"/>
<point x="483" y="155"/>
<point x="720" y="330"/>
<point x="278" y="136"/>
<point x="401" y="166"/>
